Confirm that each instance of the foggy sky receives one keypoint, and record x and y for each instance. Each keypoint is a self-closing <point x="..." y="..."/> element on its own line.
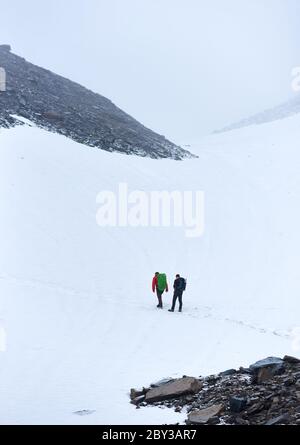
<point x="182" y="67"/>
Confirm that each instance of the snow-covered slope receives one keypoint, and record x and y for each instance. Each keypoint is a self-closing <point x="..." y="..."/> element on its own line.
<point x="75" y="301"/>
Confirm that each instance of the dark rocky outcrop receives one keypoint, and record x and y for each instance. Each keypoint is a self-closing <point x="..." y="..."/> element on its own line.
<point x="240" y="398"/>
<point x="59" y="105"/>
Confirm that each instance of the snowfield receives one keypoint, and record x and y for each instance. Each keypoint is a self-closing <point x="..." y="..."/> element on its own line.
<point x="76" y="305"/>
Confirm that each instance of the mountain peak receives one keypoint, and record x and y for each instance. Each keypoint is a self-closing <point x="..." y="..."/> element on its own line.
<point x="5" y="48"/>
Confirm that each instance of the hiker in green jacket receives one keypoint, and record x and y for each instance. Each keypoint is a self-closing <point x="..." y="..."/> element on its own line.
<point x="160" y="284"/>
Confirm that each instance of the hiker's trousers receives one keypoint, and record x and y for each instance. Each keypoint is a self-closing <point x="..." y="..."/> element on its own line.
<point x="159" y="294"/>
<point x="177" y="295"/>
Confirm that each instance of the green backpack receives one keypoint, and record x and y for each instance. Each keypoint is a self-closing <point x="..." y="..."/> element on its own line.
<point x="162" y="282"/>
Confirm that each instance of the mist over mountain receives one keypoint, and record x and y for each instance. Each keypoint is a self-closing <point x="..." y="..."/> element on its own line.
<point x="282" y="111"/>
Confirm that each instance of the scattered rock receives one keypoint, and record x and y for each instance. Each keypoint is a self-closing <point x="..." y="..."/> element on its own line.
<point x="278" y="420"/>
<point x="256" y="408"/>
<point x="240" y="421"/>
<point x="51" y="115"/>
<point x="212" y="379"/>
<point x="134" y="393"/>
<point x="228" y="373"/>
<point x="214" y="421"/>
<point x="84" y="412"/>
<point x="138" y="400"/>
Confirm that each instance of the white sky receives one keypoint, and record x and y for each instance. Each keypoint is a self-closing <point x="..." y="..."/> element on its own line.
<point x="182" y="67"/>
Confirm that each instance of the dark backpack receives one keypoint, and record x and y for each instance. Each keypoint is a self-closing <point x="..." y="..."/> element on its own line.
<point x="182" y="284"/>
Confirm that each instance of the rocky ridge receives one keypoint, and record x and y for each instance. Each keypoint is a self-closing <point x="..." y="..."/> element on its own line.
<point x="65" y="107"/>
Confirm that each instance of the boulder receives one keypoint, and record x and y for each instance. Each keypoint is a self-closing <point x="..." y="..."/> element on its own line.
<point x="237" y="404"/>
<point x="174" y="389"/>
<point x="291" y="360"/>
<point x="266" y="369"/>
<point x="270" y="361"/>
<point x="204" y="416"/>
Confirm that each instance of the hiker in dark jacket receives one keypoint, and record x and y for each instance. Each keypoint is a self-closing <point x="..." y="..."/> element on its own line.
<point x="179" y="288"/>
<point x="160" y="284"/>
